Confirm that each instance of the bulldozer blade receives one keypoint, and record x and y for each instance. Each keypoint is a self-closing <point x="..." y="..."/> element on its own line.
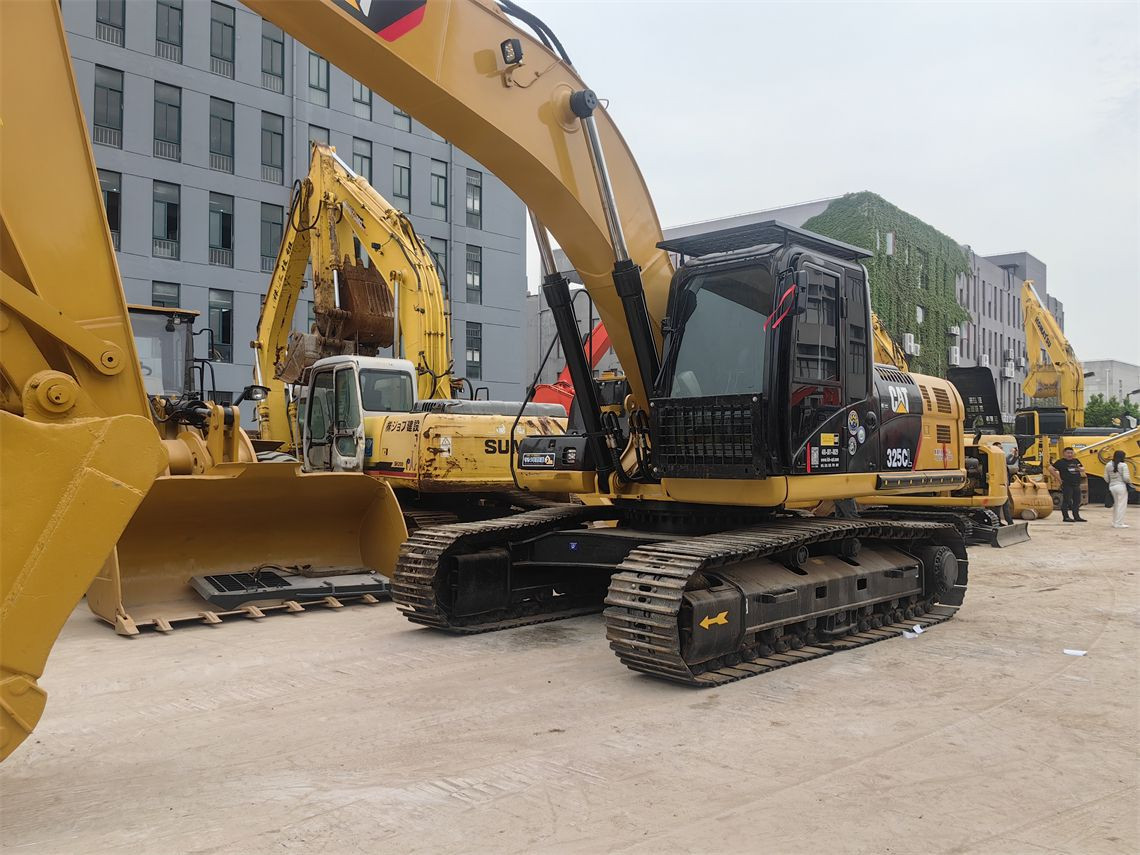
<point x="239" y="519"/>
<point x="1008" y="535"/>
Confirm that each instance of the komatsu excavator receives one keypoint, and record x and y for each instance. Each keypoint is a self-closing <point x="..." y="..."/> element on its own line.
<point x="100" y="478"/>
<point x="399" y="420"/>
<point x="750" y="370"/>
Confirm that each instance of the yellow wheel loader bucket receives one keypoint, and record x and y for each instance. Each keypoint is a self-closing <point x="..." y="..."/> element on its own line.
<point x="244" y="518"/>
<point x="66" y="492"/>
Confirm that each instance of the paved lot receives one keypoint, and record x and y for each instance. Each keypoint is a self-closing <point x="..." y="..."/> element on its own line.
<point x="350" y="730"/>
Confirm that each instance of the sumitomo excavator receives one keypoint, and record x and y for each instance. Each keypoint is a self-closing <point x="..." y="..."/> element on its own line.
<point x="752" y="387"/>
<point x="397" y="419"/>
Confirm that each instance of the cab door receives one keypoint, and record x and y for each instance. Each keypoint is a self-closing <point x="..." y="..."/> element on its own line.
<point x="816" y="432"/>
<point x="334" y="427"/>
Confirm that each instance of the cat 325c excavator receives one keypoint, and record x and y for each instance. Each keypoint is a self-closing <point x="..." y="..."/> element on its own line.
<point x="750" y="371"/>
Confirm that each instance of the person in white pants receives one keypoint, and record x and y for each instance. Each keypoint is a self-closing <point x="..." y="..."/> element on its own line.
<point x="1119" y="479"/>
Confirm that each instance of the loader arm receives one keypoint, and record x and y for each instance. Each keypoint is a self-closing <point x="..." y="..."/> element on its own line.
<point x="443" y="62"/>
<point x="1054" y="373"/>
<point x="78" y="450"/>
<point x="332" y="207"/>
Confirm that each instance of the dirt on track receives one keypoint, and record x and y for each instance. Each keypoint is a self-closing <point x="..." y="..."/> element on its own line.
<point x="350" y="730"/>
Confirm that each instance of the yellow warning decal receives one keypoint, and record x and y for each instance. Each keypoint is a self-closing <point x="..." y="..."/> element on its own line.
<point x="721" y="618"/>
<point x="829" y="439"/>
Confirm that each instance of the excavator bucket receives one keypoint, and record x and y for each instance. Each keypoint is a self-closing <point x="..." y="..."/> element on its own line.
<point x="260" y="536"/>
<point x="1031" y="499"/>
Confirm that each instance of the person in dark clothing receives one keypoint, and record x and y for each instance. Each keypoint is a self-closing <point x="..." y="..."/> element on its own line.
<point x="1070" y="471"/>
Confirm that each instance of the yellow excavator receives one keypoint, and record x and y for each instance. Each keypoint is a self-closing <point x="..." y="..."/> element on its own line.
<point x="100" y="478"/>
<point x="399" y="420"/>
<point x="1055" y="383"/>
<point x="749" y="368"/>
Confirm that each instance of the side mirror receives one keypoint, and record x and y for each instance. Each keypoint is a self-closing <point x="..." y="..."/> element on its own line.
<point x="252" y="392"/>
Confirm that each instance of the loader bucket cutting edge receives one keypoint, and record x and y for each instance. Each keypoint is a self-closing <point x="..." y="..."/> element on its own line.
<point x="1008" y="535"/>
<point x="240" y="517"/>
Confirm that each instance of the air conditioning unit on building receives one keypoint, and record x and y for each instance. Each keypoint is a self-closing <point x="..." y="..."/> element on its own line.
<point x="954" y="357"/>
<point x="984" y="360"/>
<point x="1007" y="355"/>
<point x="1021" y="362"/>
<point x="1007" y="371"/>
<point x="910" y="346"/>
<point x="954" y="330"/>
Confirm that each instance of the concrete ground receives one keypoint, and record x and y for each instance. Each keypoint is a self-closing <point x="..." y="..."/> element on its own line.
<point x="352" y="731"/>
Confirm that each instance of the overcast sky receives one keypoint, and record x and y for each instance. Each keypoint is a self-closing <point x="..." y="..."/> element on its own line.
<point x="1008" y="126"/>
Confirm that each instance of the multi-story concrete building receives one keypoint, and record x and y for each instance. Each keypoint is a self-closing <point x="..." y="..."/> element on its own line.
<point x="990" y="292"/>
<point x="1113" y="379"/>
<point x="201" y="115"/>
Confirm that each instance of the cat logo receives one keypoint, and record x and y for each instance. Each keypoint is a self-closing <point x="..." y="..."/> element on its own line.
<point x="389" y="19"/>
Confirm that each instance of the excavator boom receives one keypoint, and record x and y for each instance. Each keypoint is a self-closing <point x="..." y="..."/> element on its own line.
<point x="1055" y="374"/>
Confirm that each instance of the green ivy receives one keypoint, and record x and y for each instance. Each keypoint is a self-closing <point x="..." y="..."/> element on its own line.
<point x="921" y="272"/>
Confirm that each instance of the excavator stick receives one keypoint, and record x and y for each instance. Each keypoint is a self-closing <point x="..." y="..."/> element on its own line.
<point x="281" y="537"/>
<point x="68" y="491"/>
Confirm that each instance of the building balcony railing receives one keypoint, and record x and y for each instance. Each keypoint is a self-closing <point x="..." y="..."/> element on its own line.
<point x="362" y="110"/>
<point x="268" y="263"/>
<point x="165" y="50"/>
<point x="108" y="33"/>
<point x="221" y="257"/>
<point x="108" y="136"/>
<point x="221" y="67"/>
<point x="271" y="173"/>
<point x="221" y="163"/>
<point x="163" y="248"/>
<point x="320" y="97"/>
<point x="167" y="150"/>
<point x="115" y="240"/>
<point x="272" y="82"/>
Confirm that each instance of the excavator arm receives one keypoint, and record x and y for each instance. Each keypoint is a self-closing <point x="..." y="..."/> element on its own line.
<point x="887" y="350"/>
<point x="1057" y="375"/>
<point x="332" y="211"/>
<point x="473" y="75"/>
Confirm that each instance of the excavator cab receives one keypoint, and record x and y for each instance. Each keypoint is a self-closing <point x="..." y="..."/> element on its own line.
<point x="164" y="342"/>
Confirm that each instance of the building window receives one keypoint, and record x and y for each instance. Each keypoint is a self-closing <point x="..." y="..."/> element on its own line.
<point x="474" y="274"/>
<point x="317" y="134"/>
<point x="110" y="19"/>
<point x="111" y="185"/>
<point x="221" y="230"/>
<point x="221" y="40"/>
<point x="474" y="351"/>
<point x="272" y="227"/>
<point x="165" y="294"/>
<point x="438" y="247"/>
<point x="272" y="147"/>
<point x="318" y="80"/>
<point x="401" y="120"/>
<point x="362" y="158"/>
<point x="361" y="100"/>
<point x="439" y="190"/>
<point x="108" y="107"/>
<point x="221" y="135"/>
<point x="474" y="199"/>
<point x="272" y="57"/>
<point x="167" y="121"/>
<point x="919" y="314"/>
<point x="890" y="243"/>
<point x="166" y="219"/>
<point x="221" y="308"/>
<point x="168" y="30"/>
<point x="402" y="180"/>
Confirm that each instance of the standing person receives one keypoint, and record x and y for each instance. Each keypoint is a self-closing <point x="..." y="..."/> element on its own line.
<point x="1070" y="471"/>
<point x="1119" y="480"/>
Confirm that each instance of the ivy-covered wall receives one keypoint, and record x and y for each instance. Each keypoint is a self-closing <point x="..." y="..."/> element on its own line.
<point x="913" y="265"/>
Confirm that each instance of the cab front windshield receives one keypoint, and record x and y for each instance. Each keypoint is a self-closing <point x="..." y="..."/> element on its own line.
<point x="164" y="346"/>
<point x="723" y="349"/>
<point x="386" y="391"/>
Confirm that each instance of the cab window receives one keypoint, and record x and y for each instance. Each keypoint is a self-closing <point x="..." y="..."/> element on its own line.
<point x="386" y="391"/>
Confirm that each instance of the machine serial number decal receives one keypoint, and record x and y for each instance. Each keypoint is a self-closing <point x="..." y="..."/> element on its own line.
<point x="538" y="461"/>
<point x="900" y="399"/>
<point x="898" y="458"/>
